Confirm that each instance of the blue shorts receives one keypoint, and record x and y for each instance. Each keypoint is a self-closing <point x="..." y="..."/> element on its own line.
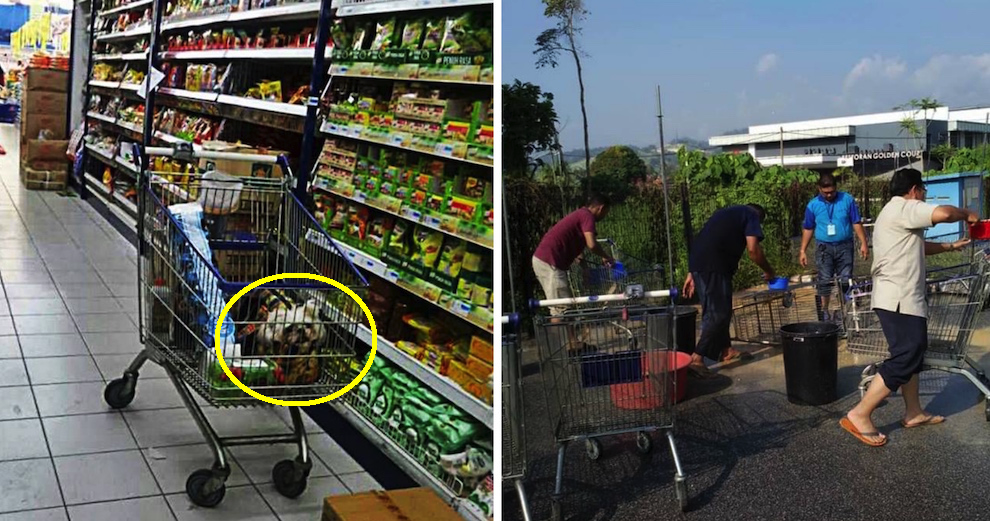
<point x="907" y="339"/>
<point x="834" y="259"/>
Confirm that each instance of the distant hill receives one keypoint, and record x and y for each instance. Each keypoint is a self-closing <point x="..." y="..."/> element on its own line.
<point x="649" y="153"/>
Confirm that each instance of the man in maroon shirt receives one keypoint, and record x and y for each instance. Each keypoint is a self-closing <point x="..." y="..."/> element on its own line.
<point x="564" y="244"/>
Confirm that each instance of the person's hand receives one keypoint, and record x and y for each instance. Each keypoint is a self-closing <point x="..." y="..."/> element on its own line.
<point x="803" y="259"/>
<point x="864" y="251"/>
<point x="609" y="261"/>
<point x="688" y="289"/>
<point x="769" y="275"/>
<point x="972" y="217"/>
<point x="958" y="245"/>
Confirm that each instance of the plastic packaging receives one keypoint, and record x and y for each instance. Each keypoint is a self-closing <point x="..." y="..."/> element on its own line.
<point x="220" y="193"/>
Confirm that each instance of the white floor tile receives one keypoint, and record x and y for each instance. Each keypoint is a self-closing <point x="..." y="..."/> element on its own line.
<point x="258" y="462"/>
<point x="37" y="306"/>
<point x="12" y="373"/>
<point x="104" y="477"/>
<point x="79" y="306"/>
<point x="63" y="369"/>
<point x="239" y="504"/>
<point x="28" y="484"/>
<point x="336" y="459"/>
<point x="309" y="505"/>
<point x="113" y="343"/>
<point x="44" y="324"/>
<point x="48" y="514"/>
<point x="85" y="434"/>
<point x="9" y="347"/>
<point x="22" y="439"/>
<point x="76" y="398"/>
<point x="42" y="346"/>
<point x="104" y="323"/>
<point x="163" y="427"/>
<point x="113" y="366"/>
<point x="360" y="482"/>
<point x="143" y="509"/>
<point x="173" y="465"/>
<point x="17" y="403"/>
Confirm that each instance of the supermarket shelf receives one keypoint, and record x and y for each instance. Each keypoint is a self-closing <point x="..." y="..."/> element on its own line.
<point x="405" y="217"/>
<point x="439" y="383"/>
<point x="379" y="268"/>
<point x="356" y="134"/>
<point x="133" y="127"/>
<point x="104" y="157"/>
<point x="92" y="182"/>
<point x="134" y="56"/>
<point x="273" y="14"/>
<point x="107" y="57"/>
<point x="126" y="205"/>
<point x="170" y="139"/>
<point x="358" y="7"/>
<point x="288" y="53"/>
<point x="130" y="86"/>
<point x="189" y="94"/>
<point x="104" y="84"/>
<point x="128" y="7"/>
<point x="127" y="166"/>
<point x="269" y="106"/>
<point x="397" y="454"/>
<point x="101" y="117"/>
<point x="122" y="215"/>
<point x="421" y="80"/>
<point x="123" y="35"/>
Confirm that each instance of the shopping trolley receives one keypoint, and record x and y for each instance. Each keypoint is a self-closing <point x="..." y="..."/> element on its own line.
<point x="758" y="316"/>
<point x="955" y="297"/>
<point x="513" y="432"/>
<point x="594" y="277"/>
<point x="292" y="339"/>
<point x="608" y="369"/>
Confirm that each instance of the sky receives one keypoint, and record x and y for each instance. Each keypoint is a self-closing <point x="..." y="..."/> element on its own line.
<point x="724" y="65"/>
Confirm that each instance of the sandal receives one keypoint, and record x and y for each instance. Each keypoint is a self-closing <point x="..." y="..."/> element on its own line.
<point x="701" y="372"/>
<point x="737" y="355"/>
<point x="931" y="420"/>
<point x="846" y="424"/>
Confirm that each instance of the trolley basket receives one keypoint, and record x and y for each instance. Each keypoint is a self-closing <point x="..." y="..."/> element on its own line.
<point x="513" y="413"/>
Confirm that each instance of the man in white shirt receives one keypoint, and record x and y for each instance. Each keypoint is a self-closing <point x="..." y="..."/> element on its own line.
<point x="899" y="250"/>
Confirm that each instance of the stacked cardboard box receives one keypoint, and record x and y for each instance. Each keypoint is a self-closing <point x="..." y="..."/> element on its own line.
<point x="415" y="504"/>
<point x="44" y="107"/>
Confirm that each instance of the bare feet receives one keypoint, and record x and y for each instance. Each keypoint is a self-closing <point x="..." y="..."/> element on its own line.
<point x="866" y="429"/>
<point x="924" y="418"/>
<point x="730" y="354"/>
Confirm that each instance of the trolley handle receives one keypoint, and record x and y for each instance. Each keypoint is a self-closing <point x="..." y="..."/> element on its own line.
<point x="619" y="297"/>
<point x="210" y="154"/>
<point x="511" y="319"/>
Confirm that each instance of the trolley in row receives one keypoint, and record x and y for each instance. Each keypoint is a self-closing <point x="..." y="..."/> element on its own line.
<point x="592" y="276"/>
<point x="609" y="368"/>
<point x="758" y="316"/>
<point x="955" y="296"/>
<point x="203" y="238"/>
<point x="513" y="413"/>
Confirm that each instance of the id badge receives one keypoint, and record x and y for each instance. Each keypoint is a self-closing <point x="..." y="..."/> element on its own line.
<point x="830" y="230"/>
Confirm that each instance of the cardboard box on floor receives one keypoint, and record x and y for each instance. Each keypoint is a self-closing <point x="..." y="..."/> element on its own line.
<point x="415" y="504"/>
<point x="34" y="103"/>
<point x="53" y="124"/>
<point x="49" y="80"/>
<point x="44" y="154"/>
<point x="33" y="179"/>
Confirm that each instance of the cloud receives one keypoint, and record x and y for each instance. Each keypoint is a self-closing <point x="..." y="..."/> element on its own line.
<point x="872" y="68"/>
<point x="766" y="63"/>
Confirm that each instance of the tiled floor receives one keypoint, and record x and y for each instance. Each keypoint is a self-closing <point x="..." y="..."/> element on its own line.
<point x="67" y="326"/>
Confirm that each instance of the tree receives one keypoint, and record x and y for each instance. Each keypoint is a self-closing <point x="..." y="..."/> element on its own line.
<point x="910" y="125"/>
<point x="528" y="125"/>
<point x="615" y="171"/>
<point x="563" y="38"/>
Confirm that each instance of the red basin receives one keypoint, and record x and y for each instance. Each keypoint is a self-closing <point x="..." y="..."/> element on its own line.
<point x="659" y="368"/>
<point x="980" y="231"/>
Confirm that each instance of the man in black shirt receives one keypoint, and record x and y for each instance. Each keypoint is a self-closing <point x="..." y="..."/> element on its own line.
<point x="714" y="259"/>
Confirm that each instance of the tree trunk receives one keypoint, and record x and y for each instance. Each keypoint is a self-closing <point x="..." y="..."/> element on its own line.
<point x="584" y="111"/>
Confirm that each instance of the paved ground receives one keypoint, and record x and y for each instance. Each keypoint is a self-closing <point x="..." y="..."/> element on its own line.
<point x="751" y="455"/>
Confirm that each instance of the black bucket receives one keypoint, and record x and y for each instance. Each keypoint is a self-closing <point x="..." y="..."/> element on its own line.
<point x="811" y="362"/>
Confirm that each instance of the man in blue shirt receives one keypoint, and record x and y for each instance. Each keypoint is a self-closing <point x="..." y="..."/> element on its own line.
<point x="832" y="218"/>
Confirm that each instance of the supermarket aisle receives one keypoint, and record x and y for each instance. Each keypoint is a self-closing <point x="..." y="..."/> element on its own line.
<point x="67" y="325"/>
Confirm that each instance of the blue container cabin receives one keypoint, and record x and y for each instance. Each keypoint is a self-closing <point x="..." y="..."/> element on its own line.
<point x="964" y="190"/>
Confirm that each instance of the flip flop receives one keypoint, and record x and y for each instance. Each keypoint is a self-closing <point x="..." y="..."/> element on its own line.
<point x="931" y="420"/>
<point x="700" y="372"/>
<point x="861" y="436"/>
<point x="739" y="355"/>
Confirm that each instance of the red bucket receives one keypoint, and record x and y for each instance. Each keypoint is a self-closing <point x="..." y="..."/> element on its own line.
<point x="658" y="367"/>
<point x="980" y="231"/>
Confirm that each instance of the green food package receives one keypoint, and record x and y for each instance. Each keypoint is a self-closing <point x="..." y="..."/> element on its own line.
<point x="428" y="243"/>
<point x="433" y="35"/>
<point x="359" y="34"/>
<point x="339" y="34"/>
<point x="384" y="35"/>
<point x="412" y="34"/>
<point x="452" y="256"/>
<point x="398" y="241"/>
<point x="458" y="37"/>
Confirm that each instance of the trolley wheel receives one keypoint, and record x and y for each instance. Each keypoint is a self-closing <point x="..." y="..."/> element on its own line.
<point x="290" y="478"/>
<point x="119" y="393"/>
<point x="593" y="448"/>
<point x="680" y="488"/>
<point x="988" y="409"/>
<point x="203" y="490"/>
<point x="644" y="443"/>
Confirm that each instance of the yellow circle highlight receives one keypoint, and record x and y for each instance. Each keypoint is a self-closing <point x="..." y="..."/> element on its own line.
<point x="301" y="403"/>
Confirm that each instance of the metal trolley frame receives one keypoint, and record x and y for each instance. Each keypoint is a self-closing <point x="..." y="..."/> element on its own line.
<point x="592" y="277"/>
<point x="292" y="339"/>
<point x="956" y="295"/>
<point x="758" y="317"/>
<point x="514" y="460"/>
<point x="607" y="365"/>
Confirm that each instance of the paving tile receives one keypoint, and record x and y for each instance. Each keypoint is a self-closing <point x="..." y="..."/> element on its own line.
<point x="25" y="277"/>
<point x="88" y="433"/>
<point x="31" y="291"/>
<point x="173" y="465"/>
<point x="309" y="505"/>
<point x="22" y="439"/>
<point x="37" y="306"/>
<point x="239" y="504"/>
<point x="17" y="403"/>
<point x="84" y="290"/>
<point x="42" y="346"/>
<point x="103" y="323"/>
<point x="7" y="326"/>
<point x="28" y="484"/>
<point x="79" y="276"/>
<point x="44" y="324"/>
<point x="103" y="477"/>
<point x="12" y="373"/>
<point x="143" y="509"/>
<point x="162" y="428"/>
<point x="79" y="306"/>
<point x="63" y="369"/>
<point x="75" y="398"/>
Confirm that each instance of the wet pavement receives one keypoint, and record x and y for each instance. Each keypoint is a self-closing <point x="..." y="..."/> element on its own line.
<point x="749" y="454"/>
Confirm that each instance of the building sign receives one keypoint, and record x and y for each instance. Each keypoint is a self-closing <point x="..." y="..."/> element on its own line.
<point x="881" y="155"/>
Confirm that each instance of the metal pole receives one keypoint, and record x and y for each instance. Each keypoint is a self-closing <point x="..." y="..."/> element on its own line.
<point x="507" y="248"/>
<point x="149" y="95"/>
<point x="89" y="73"/>
<point x="306" y="163"/>
<point x="672" y="315"/>
<point x="781" y="147"/>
